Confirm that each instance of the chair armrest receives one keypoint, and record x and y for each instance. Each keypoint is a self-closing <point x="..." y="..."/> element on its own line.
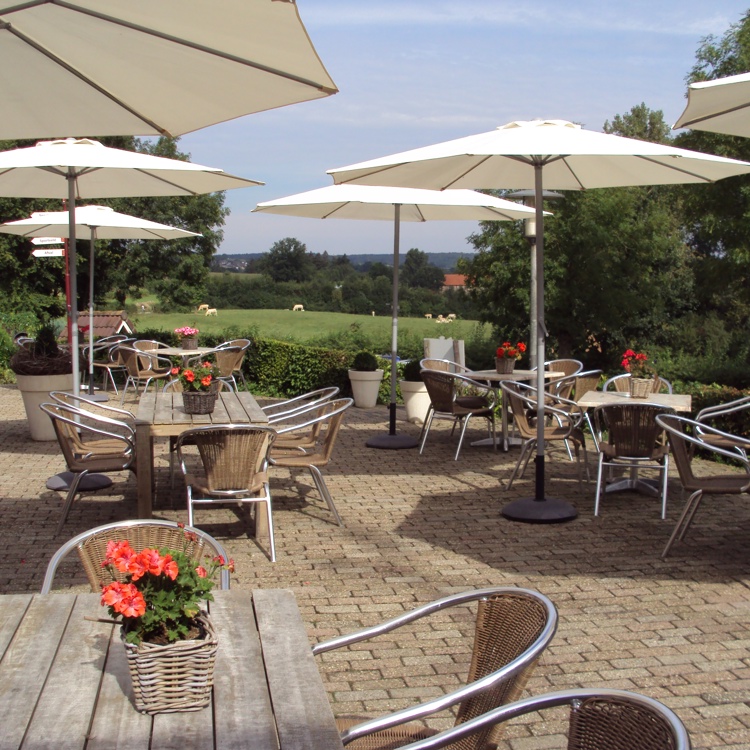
<point x="128" y="443"/>
<point x="719" y="410"/>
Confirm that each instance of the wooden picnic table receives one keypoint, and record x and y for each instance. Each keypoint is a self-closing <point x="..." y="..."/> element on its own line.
<point x="161" y="414"/>
<point x="64" y="680"/>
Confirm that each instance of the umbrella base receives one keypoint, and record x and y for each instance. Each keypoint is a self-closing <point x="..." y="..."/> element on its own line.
<point x="531" y="510"/>
<point x="91" y="482"/>
<point x="392" y="442"/>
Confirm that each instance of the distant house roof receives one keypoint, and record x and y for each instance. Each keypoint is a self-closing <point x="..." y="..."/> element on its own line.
<point x="454" y="280"/>
<point x="106" y="323"/>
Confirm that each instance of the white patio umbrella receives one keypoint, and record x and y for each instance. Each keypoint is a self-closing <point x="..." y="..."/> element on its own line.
<point x="139" y="67"/>
<point x="539" y="154"/>
<point x="719" y="106"/>
<point x="102" y="223"/>
<point x="396" y="204"/>
<point x="83" y="168"/>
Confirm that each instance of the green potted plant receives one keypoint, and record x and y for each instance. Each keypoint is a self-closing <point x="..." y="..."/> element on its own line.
<point x="365" y="377"/>
<point x="414" y="392"/>
<point x="40" y="366"/>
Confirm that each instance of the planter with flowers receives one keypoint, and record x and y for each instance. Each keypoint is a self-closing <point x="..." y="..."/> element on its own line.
<point x="642" y="374"/>
<point x="188" y="337"/>
<point x="199" y="387"/>
<point x="169" y="640"/>
<point x="507" y="355"/>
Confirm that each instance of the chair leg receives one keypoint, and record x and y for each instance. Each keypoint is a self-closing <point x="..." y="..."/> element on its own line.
<point x="320" y="483"/>
<point x="665" y="477"/>
<point x="690" y="507"/>
<point x="72" y="492"/>
<point x="426" y="428"/>
<point x="269" y="520"/>
<point x="599" y="483"/>
<point x="525" y="454"/>
<point x="190" y="505"/>
<point x="461" y="436"/>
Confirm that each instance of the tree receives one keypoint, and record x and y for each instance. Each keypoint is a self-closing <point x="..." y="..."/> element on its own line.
<point x="287" y="260"/>
<point x="416" y="271"/>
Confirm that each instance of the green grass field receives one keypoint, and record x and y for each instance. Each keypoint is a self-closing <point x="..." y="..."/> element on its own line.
<point x="285" y="325"/>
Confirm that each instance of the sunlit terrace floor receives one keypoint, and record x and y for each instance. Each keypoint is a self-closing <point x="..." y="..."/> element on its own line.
<point x="419" y="527"/>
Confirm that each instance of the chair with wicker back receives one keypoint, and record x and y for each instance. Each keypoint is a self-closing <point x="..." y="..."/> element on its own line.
<point x="282" y="409"/>
<point x="91" y="546"/>
<point x="143" y="367"/>
<point x="309" y="444"/>
<point x="459" y="398"/>
<point x="91" y="444"/>
<point x="599" y="719"/>
<point x="104" y="358"/>
<point x="709" y="439"/>
<point x="723" y="413"/>
<point x="244" y="345"/>
<point x="447" y="365"/>
<point x="233" y="468"/>
<point x="562" y="423"/>
<point x="620" y="383"/>
<point x="513" y="627"/>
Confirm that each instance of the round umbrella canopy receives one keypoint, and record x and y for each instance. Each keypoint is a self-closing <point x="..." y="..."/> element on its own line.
<point x="539" y="154"/>
<point x="84" y="168"/>
<point x="397" y="204"/>
<point x="719" y="106"/>
<point x="150" y="68"/>
<point x="100" y="222"/>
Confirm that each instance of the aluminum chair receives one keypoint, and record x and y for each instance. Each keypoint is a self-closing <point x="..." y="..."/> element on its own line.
<point x="234" y="462"/>
<point x="283" y="409"/>
<point x="513" y="627"/>
<point x="105" y="358"/>
<point x="599" y="719"/>
<point x="447" y="365"/>
<point x="91" y="546"/>
<point x="634" y="442"/>
<point x="309" y="444"/>
<point x="91" y="444"/>
<point x="244" y="344"/>
<point x="709" y="439"/>
<point x="562" y="423"/>
<point x="723" y="413"/>
<point x="143" y="367"/>
<point x="459" y="398"/>
<point x="566" y="366"/>
<point x="573" y="387"/>
<point x="620" y="383"/>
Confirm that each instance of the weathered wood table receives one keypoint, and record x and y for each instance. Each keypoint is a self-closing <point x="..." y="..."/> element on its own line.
<point x="64" y="680"/>
<point x="162" y="415"/>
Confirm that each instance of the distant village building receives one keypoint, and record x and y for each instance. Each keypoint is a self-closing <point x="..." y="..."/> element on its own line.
<point x="453" y="281"/>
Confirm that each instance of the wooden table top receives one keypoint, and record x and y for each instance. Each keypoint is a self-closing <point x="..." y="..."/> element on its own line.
<point x="165" y="414"/>
<point x="64" y="680"/>
<point x="520" y="375"/>
<point x="178" y="351"/>
<point x="677" y="401"/>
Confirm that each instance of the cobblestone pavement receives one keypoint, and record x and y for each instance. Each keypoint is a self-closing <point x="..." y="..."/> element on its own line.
<point x="420" y="527"/>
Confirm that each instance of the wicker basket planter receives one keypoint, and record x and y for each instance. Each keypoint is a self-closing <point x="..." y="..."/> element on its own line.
<point x="641" y="387"/>
<point x="189" y="343"/>
<point x="505" y="365"/>
<point x="175" y="676"/>
<point x="199" y="402"/>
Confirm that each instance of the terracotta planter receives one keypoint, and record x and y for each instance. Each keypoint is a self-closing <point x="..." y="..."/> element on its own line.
<point x="416" y="400"/>
<point x="365" y="387"/>
<point x="35" y="390"/>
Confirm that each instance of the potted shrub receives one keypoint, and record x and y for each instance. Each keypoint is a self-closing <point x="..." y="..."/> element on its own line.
<point x="365" y="377"/>
<point x="40" y="366"/>
<point x="414" y="393"/>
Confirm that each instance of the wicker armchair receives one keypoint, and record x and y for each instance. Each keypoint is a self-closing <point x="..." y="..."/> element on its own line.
<point x="459" y="398"/>
<point x="566" y="366"/>
<point x="599" y="719"/>
<point x="90" y="443"/>
<point x="722" y="413"/>
<point x="105" y="359"/>
<point x="309" y="444"/>
<point x="282" y="409"/>
<point x="635" y="441"/>
<point x="563" y="423"/>
<point x="142" y="367"/>
<point x="91" y="546"/>
<point x="244" y="345"/>
<point x="620" y="383"/>
<point x="709" y="439"/>
<point x="234" y="462"/>
<point x="513" y="627"/>
<point x="446" y="365"/>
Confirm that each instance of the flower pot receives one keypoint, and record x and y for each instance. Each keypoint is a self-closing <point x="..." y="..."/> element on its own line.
<point x="641" y="387"/>
<point x="199" y="402"/>
<point x="365" y="387"/>
<point x="189" y="343"/>
<point x="173" y="676"/>
<point x="416" y="400"/>
<point x="505" y="365"/>
<point x="35" y="390"/>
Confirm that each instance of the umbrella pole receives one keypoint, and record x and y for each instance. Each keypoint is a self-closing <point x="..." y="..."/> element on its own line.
<point x="539" y="509"/>
<point x="392" y="440"/>
<point x="91" y="395"/>
<point x="75" y="354"/>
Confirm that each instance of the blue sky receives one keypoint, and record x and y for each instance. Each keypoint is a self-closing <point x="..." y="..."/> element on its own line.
<point x="416" y="72"/>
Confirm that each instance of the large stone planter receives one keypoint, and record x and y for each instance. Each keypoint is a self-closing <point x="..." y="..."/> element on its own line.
<point x="365" y="387"/>
<point x="416" y="400"/>
<point x="35" y="390"/>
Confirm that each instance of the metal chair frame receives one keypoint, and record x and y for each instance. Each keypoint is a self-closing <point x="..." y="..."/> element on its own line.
<point x="124" y="529"/>
<point x="446" y="365"/>
<point x="618" y="719"/>
<point x="470" y="695"/>
<point x="143" y="366"/>
<point x="299" y="404"/>
<point x="718" y="411"/>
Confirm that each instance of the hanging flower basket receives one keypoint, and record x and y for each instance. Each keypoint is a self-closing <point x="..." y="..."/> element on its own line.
<point x="641" y="387"/>
<point x="505" y="365"/>
<point x="174" y="676"/>
<point x="199" y="402"/>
